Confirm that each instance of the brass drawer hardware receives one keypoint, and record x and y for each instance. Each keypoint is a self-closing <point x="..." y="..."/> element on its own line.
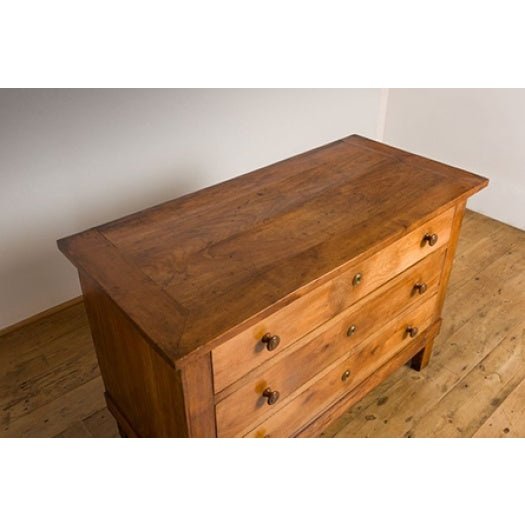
<point x="351" y="330"/>
<point x="357" y="279"/>
<point x="271" y="341"/>
<point x="271" y="395"/>
<point x="430" y="238"/>
<point x="412" y="331"/>
<point x="420" y="287"/>
<point x="346" y="375"/>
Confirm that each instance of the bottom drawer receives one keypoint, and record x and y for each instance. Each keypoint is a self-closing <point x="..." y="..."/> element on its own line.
<point x="345" y="374"/>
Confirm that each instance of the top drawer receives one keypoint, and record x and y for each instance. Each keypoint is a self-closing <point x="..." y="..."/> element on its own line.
<point x="259" y="343"/>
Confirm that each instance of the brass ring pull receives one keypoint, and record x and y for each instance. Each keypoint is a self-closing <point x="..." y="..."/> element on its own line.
<point x="430" y="238"/>
<point x="420" y="287"/>
<point x="271" y="395"/>
<point x="271" y="341"/>
<point x="412" y="331"/>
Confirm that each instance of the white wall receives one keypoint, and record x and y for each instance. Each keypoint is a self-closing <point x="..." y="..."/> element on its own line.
<point x="72" y="159"/>
<point x="481" y="130"/>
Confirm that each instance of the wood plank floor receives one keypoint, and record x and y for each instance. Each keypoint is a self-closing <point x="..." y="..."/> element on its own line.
<point x="474" y="386"/>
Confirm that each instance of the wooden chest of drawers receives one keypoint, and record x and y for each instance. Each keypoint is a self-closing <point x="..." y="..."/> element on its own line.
<point x="269" y="304"/>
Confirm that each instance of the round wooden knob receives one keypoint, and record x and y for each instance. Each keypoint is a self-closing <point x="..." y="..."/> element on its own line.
<point x="271" y="341"/>
<point x="430" y="238"/>
<point x="346" y="375"/>
<point x="271" y="395"/>
<point x="412" y="331"/>
<point x="420" y="287"/>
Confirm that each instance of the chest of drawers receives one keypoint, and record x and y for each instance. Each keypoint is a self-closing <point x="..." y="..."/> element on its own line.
<point x="267" y="305"/>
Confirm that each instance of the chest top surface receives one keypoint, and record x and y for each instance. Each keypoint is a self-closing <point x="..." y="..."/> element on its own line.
<point x="195" y="267"/>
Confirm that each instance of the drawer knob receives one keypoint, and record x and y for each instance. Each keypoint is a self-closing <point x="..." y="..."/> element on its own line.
<point x="346" y="375"/>
<point x="420" y="287"/>
<point x="357" y="279"/>
<point x="271" y="395"/>
<point x="351" y="330"/>
<point x="271" y="341"/>
<point x="430" y="238"/>
<point x="412" y="331"/>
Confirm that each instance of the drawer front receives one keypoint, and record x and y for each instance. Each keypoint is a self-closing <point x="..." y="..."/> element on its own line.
<point x="341" y="335"/>
<point x="247" y="350"/>
<point x="345" y="374"/>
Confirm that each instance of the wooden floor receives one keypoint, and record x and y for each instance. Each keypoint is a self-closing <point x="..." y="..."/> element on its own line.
<point x="474" y="386"/>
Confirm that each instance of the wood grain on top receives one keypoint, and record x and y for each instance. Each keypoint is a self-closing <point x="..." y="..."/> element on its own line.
<point x="192" y="270"/>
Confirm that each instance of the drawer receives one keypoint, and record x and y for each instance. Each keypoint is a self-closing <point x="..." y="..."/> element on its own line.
<point x="345" y="374"/>
<point x="340" y="336"/>
<point x="247" y="350"/>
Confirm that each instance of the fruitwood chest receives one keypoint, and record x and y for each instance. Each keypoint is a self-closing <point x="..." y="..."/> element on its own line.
<point x="267" y="305"/>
